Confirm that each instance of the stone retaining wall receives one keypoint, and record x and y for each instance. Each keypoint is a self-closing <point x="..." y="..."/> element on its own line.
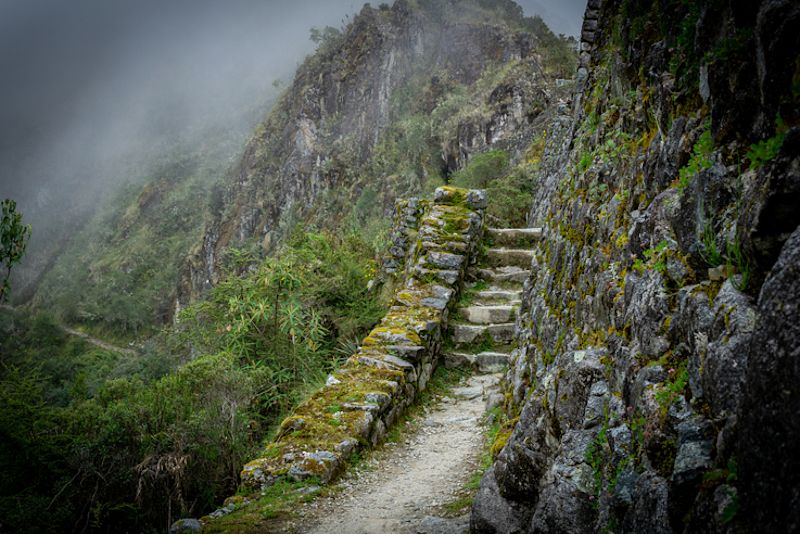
<point x="407" y="216"/>
<point x="362" y="399"/>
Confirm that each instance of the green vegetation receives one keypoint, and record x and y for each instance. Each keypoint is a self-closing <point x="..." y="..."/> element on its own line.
<point x="596" y="453"/>
<point x="737" y="258"/>
<point x="709" y="250"/>
<point x="764" y="151"/>
<point x="511" y="190"/>
<point x="481" y="170"/>
<point x="734" y="257"/>
<point x="125" y="444"/>
<point x="119" y="274"/>
<point x="13" y="239"/>
<point x="672" y="388"/>
<point x="699" y="161"/>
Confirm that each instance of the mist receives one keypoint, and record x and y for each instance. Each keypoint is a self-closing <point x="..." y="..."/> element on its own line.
<point x="95" y="93"/>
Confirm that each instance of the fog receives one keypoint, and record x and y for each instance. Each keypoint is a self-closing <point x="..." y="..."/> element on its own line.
<point x="92" y="92"/>
<point x="90" y="84"/>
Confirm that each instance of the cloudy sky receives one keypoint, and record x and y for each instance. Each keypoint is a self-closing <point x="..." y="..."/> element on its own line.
<point x="81" y="80"/>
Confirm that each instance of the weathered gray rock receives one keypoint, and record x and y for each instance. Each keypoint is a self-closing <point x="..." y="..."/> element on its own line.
<point x="649" y="511"/>
<point x="725" y="362"/>
<point x="441" y="525"/>
<point x="467" y="333"/>
<point x="515" y="237"/>
<point x="488" y="314"/>
<point x="491" y="513"/>
<point x="522" y="462"/>
<point x="769" y="427"/>
<point x="445" y="260"/>
<point x="566" y="499"/>
<point x="491" y="362"/>
<point x="646" y="307"/>
<point x="477" y="199"/>
<point x="468" y="392"/>
<point x="516" y="257"/>
<point x="504" y="274"/>
<point x="462" y="360"/>
<point x="322" y="464"/>
<point x="513" y="297"/>
<point x="186" y="525"/>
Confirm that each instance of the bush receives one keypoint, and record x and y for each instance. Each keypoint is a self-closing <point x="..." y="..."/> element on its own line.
<point x="132" y="454"/>
<point x="481" y="170"/>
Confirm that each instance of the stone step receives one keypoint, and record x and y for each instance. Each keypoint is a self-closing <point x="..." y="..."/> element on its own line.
<point x="504" y="274"/>
<point x="477" y="314"/>
<point x="515" y="237"/>
<point x="485" y="362"/>
<point x="500" y="295"/>
<point x="495" y="302"/>
<point x="518" y="257"/>
<point x="464" y="334"/>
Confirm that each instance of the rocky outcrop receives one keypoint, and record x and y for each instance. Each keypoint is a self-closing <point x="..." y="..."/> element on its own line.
<point x="644" y="390"/>
<point x="769" y="468"/>
<point x="313" y="156"/>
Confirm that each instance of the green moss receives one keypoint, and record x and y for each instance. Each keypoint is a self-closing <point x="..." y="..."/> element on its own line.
<point x="278" y="502"/>
<point x="455" y="196"/>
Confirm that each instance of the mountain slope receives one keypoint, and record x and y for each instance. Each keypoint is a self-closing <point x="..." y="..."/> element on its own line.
<point x="366" y="118"/>
<point x="117" y="273"/>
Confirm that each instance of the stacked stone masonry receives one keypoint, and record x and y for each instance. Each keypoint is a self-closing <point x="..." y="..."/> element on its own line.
<point x="363" y="398"/>
<point x="652" y="388"/>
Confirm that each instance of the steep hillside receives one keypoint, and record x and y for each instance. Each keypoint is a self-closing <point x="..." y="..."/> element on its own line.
<point x="388" y="107"/>
<point x="413" y="94"/>
<point x="654" y="387"/>
<point x="116" y="272"/>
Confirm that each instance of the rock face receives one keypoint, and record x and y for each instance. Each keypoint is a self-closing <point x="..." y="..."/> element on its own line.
<point x="315" y="155"/>
<point x="654" y="383"/>
<point x="769" y="424"/>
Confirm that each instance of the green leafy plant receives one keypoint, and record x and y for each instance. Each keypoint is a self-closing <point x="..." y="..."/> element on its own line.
<point x="585" y="162"/>
<point x="709" y="251"/>
<point x="764" y="151"/>
<point x="13" y="239"/>
<point x="482" y="169"/>
<point x="699" y="160"/>
<point x="672" y="388"/>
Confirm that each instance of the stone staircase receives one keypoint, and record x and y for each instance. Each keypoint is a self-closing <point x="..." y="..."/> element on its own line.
<point x="482" y="328"/>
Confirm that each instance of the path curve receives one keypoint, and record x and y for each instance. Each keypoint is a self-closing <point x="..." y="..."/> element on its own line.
<point x="97" y="342"/>
<point x="86" y="337"/>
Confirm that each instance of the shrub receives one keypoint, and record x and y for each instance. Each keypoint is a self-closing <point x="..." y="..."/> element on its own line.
<point x="481" y="169"/>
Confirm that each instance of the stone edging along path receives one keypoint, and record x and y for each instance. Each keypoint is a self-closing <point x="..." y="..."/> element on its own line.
<point x="362" y="399"/>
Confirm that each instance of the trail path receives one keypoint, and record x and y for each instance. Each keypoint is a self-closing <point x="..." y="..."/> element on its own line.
<point x="89" y="339"/>
<point x="97" y="342"/>
<point x="410" y="482"/>
<point x="406" y="487"/>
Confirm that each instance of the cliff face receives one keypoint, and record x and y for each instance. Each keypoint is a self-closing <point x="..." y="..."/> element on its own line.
<point x="339" y="128"/>
<point x="655" y="383"/>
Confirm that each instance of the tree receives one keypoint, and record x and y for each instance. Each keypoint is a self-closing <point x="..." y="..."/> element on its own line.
<point x="13" y="240"/>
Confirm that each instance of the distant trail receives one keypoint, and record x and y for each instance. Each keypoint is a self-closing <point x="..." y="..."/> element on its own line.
<point x="86" y="337"/>
<point x="405" y="491"/>
<point x="97" y="342"/>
